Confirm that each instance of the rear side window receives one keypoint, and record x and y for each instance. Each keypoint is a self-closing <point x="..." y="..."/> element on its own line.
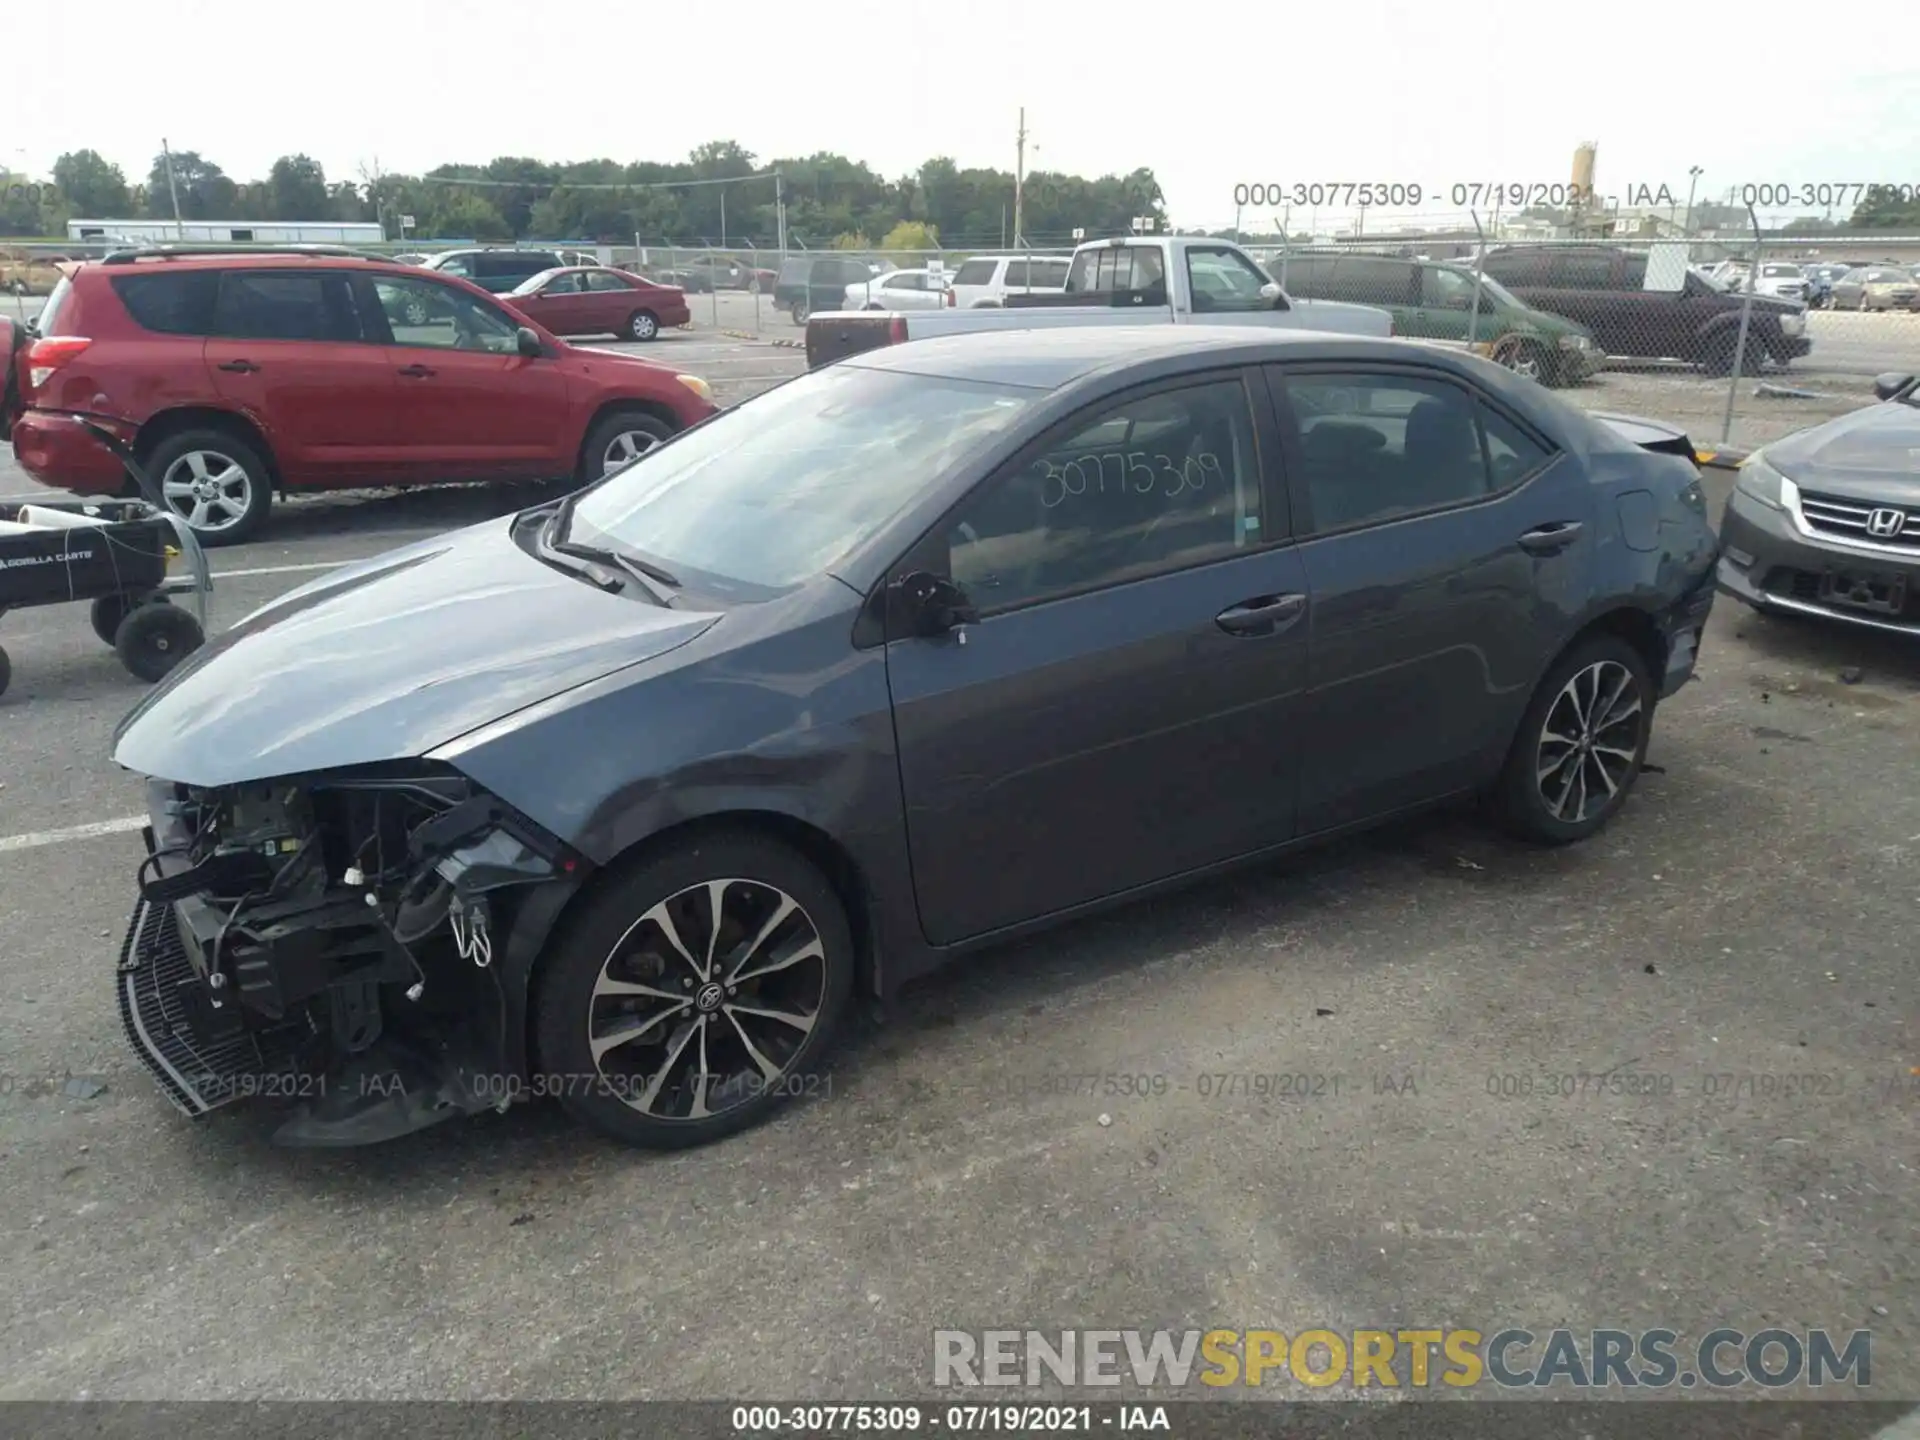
<point x="458" y="265"/>
<point x="177" y="304"/>
<point x="1518" y="267"/>
<point x="523" y="263"/>
<point x="975" y="272"/>
<point x="1581" y="272"/>
<point x="1051" y="273"/>
<point x="49" y="321"/>
<point x="264" y="305"/>
<point x="1375" y="447"/>
<point x="1017" y="273"/>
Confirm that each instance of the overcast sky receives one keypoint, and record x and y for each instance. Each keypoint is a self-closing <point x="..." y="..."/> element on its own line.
<point x="1209" y="96"/>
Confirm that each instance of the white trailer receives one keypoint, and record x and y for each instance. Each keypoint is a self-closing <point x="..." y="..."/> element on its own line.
<point x="217" y="232"/>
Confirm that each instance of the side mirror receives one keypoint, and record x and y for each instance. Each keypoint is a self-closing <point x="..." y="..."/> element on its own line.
<point x="1886" y="386"/>
<point x="1273" y="294"/>
<point x="529" y="343"/>
<point x="932" y="604"/>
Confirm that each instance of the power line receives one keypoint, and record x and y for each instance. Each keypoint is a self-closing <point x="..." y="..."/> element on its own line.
<point x="597" y="185"/>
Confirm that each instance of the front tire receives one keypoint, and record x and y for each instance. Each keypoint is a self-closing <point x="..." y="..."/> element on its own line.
<point x="800" y="310"/>
<point x="215" y="481"/>
<point x="1525" y="357"/>
<point x="620" y="439"/>
<point x="696" y="994"/>
<point x="1580" y="746"/>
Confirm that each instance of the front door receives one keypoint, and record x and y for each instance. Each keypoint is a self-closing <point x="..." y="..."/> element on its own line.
<point x="1125" y="708"/>
<point x="1447" y="552"/>
<point x="559" y="304"/>
<point x="289" y="349"/>
<point x="475" y="407"/>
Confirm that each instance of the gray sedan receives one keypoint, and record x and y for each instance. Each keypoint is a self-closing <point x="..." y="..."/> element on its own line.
<point x="622" y="799"/>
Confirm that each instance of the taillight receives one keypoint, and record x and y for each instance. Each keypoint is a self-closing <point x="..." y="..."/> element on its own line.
<point x="951" y="300"/>
<point x="46" y="356"/>
<point x="897" y="330"/>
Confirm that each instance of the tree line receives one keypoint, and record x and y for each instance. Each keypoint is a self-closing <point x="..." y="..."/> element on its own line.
<point x="720" y="195"/>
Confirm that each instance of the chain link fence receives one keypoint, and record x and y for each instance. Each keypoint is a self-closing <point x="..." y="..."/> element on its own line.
<point x="1740" y="342"/>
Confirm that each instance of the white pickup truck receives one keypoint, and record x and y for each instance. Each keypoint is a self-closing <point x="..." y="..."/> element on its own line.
<point x="1179" y="280"/>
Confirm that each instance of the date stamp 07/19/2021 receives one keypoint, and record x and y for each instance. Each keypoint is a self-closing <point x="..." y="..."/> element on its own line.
<point x="1526" y="194"/>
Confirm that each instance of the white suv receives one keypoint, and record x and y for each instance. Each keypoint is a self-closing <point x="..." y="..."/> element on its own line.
<point x="987" y="280"/>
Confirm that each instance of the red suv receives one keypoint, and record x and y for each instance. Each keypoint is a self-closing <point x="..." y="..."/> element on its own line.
<point x="233" y="376"/>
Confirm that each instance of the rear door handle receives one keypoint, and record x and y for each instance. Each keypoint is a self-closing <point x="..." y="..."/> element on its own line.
<point x="1551" y="539"/>
<point x="1263" y="615"/>
<point x="416" y="372"/>
<point x="240" y="367"/>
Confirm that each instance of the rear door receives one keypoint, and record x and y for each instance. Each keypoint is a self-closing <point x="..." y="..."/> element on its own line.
<point x="1126" y="708"/>
<point x="291" y="349"/>
<point x="1448" y="551"/>
<point x="474" y="406"/>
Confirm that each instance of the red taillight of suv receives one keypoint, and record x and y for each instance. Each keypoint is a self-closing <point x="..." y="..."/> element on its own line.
<point x="43" y="357"/>
<point x="952" y="300"/>
<point x="897" y="330"/>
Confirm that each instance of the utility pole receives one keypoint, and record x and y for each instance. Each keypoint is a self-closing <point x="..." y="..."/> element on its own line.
<point x="780" y="211"/>
<point x="1019" y="175"/>
<point x="179" y="230"/>
<point x="723" y="217"/>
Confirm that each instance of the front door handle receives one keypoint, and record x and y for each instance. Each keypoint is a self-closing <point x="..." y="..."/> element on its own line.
<point x="416" y="372"/>
<point x="239" y="367"/>
<point x="1263" y="615"/>
<point x="1551" y="539"/>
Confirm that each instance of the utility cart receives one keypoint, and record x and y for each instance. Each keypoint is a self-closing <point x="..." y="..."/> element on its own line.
<point x="116" y="556"/>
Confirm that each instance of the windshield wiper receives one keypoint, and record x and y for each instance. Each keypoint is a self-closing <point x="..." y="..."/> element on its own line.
<point x="656" y="580"/>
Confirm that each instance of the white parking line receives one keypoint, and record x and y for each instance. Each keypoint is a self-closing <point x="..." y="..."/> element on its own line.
<point x="34" y="839"/>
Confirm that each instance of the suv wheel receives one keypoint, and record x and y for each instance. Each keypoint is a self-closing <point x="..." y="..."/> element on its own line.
<point x="696" y="993"/>
<point x="622" y="437"/>
<point x="215" y="481"/>
<point x="1524" y="357"/>
<point x="800" y="310"/>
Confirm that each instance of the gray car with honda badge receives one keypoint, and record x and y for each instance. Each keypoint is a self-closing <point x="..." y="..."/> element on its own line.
<point x="623" y="799"/>
<point x="1826" y="523"/>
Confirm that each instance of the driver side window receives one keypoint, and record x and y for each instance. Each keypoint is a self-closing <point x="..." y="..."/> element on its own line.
<point x="420" y="312"/>
<point x="1157" y="483"/>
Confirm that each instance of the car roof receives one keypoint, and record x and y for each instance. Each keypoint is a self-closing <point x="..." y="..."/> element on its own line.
<point x="1050" y="359"/>
<point x="248" y="260"/>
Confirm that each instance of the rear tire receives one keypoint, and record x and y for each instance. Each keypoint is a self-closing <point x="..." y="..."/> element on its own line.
<point x="800" y="310"/>
<point x="108" y="611"/>
<point x="1580" y="745"/>
<point x="617" y="972"/>
<point x="217" y="475"/>
<point x="6" y="671"/>
<point x="155" y="638"/>
<point x="643" y="325"/>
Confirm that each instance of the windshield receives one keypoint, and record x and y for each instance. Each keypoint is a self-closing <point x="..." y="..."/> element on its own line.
<point x="533" y="282"/>
<point x="761" y="498"/>
<point x="1792" y="271"/>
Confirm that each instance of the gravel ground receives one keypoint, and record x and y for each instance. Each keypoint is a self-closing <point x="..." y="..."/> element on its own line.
<point x="1749" y="917"/>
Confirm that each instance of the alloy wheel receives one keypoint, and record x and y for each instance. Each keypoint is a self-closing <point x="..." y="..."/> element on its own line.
<point x="628" y="445"/>
<point x="208" y="490"/>
<point x="1590" y="741"/>
<point x="643" y="326"/>
<point x="705" y="1001"/>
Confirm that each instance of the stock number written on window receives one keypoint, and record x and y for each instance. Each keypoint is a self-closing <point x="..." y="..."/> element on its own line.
<point x="1137" y="472"/>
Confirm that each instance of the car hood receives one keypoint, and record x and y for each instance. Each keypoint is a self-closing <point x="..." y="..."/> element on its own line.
<point x="388" y="659"/>
<point x="1872" y="454"/>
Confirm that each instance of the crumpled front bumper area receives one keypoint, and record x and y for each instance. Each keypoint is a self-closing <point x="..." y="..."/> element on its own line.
<point x="177" y="1027"/>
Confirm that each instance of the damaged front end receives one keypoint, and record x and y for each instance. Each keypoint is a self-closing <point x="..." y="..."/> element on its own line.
<point x="355" y="944"/>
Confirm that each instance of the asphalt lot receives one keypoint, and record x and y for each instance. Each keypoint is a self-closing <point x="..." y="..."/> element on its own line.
<point x="1748" y="918"/>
